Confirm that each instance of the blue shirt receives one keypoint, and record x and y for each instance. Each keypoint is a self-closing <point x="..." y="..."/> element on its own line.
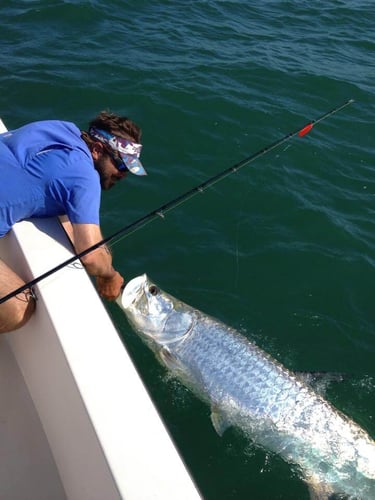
<point x="46" y="169"/>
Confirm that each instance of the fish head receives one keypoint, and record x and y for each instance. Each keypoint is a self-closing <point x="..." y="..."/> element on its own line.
<point x="156" y="316"/>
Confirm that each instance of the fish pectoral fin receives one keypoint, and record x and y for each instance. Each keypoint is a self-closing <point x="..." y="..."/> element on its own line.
<point x="170" y="361"/>
<point x="218" y="421"/>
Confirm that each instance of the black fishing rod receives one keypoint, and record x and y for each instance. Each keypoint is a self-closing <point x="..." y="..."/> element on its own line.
<point x="161" y="211"/>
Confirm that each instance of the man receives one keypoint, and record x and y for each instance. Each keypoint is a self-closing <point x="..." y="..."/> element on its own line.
<point x="51" y="168"/>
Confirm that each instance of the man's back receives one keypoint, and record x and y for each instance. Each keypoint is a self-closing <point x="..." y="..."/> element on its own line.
<point x="46" y="170"/>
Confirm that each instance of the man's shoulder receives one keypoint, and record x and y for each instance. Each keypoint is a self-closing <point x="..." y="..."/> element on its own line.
<point x="35" y="137"/>
<point x="50" y="128"/>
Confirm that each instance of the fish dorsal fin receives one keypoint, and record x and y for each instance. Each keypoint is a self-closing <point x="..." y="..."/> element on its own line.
<point x="320" y="381"/>
<point x="218" y="421"/>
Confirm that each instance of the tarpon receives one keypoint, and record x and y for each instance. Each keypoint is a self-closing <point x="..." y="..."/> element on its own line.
<point x="245" y="387"/>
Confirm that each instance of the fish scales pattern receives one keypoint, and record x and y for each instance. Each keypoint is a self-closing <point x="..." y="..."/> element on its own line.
<point x="231" y="365"/>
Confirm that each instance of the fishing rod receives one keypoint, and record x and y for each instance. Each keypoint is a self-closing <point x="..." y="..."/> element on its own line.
<point x="161" y="211"/>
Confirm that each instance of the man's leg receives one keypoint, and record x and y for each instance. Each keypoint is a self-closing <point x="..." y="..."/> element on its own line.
<point x="16" y="311"/>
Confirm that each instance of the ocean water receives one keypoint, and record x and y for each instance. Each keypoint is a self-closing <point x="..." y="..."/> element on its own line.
<point x="284" y="249"/>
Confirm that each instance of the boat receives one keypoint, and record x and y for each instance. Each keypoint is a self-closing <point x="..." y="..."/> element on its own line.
<point x="76" y="420"/>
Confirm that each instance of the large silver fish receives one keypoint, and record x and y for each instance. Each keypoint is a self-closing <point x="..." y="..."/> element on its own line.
<point x="247" y="388"/>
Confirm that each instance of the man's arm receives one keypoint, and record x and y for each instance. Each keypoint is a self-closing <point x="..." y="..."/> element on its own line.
<point x="98" y="263"/>
<point x="67" y="226"/>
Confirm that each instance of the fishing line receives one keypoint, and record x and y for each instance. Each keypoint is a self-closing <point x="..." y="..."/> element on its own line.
<point x="161" y="211"/>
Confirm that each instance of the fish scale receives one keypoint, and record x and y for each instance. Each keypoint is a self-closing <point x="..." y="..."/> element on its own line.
<point x="248" y="389"/>
<point x="241" y="366"/>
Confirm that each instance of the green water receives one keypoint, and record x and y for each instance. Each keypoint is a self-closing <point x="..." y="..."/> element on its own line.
<point x="283" y="250"/>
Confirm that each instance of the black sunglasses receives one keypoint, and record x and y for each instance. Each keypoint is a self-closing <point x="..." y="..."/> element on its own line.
<point x="115" y="157"/>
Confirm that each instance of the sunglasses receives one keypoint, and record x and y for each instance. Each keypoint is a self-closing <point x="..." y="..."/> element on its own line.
<point x="116" y="158"/>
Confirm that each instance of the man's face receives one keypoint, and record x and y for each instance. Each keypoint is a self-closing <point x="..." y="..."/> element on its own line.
<point x="108" y="172"/>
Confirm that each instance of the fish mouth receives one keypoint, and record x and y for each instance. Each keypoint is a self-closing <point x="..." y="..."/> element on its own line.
<point x="131" y="291"/>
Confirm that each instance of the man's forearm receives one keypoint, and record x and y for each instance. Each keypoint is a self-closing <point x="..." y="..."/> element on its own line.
<point x="99" y="263"/>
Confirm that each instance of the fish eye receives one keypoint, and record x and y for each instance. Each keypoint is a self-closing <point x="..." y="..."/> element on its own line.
<point x="153" y="289"/>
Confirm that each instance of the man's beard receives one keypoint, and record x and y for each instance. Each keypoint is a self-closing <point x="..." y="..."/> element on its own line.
<point x="107" y="180"/>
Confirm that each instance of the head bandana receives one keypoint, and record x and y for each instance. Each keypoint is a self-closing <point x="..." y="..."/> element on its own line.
<point x="128" y="151"/>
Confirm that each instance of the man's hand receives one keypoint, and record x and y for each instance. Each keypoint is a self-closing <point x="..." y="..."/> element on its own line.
<point x="110" y="288"/>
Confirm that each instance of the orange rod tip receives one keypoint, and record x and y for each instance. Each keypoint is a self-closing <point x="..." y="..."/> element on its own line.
<point x="305" y="130"/>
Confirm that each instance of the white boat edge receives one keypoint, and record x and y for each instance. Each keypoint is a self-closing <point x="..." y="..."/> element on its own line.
<point x="105" y="437"/>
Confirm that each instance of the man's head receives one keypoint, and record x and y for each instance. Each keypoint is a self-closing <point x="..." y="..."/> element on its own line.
<point x="114" y="142"/>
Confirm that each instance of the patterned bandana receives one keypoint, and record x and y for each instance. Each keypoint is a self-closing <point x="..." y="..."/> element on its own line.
<point x="128" y="151"/>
